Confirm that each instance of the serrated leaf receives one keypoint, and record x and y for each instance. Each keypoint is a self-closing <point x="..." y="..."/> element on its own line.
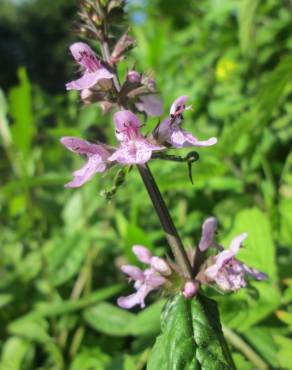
<point x="191" y="337"/>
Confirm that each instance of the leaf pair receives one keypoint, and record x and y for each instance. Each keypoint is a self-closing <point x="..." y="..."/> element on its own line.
<point x="191" y="337"/>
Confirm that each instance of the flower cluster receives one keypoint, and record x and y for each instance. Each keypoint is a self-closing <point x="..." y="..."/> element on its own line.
<point x="145" y="281"/>
<point x="100" y="84"/>
<point x="134" y="147"/>
<point x="224" y="269"/>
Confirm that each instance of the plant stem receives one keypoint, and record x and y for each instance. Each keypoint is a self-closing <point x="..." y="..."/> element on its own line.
<point x="160" y="207"/>
<point x="243" y="347"/>
<point x="166" y="221"/>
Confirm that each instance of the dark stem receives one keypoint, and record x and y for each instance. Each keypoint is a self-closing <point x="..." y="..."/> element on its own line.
<point x="170" y="230"/>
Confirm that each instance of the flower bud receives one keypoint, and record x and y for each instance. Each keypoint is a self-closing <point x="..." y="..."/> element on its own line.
<point x="190" y="289"/>
<point x="134" y="77"/>
<point x="149" y="83"/>
<point x="143" y="254"/>
<point x="160" y="265"/>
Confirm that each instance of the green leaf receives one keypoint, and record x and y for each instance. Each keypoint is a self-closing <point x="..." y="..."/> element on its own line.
<point x="247" y="15"/>
<point x="31" y="327"/>
<point x="14" y="352"/>
<point x="191" y="337"/>
<point x="108" y="319"/>
<point x="20" y="103"/>
<point x="259" y="247"/>
<point x="5" y="299"/>
<point x="147" y="321"/>
<point x="245" y="308"/>
<point x="65" y="256"/>
<point x="90" y="359"/>
<point x="64" y="307"/>
<point x="262" y="340"/>
<point x="112" y="320"/>
<point x="285" y="209"/>
<point x="5" y="133"/>
<point x="284" y="354"/>
<point x="285" y="317"/>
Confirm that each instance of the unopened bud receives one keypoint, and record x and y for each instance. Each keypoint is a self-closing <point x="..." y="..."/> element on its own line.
<point x="123" y="44"/>
<point x="160" y="266"/>
<point x="142" y="253"/>
<point x="149" y="83"/>
<point x="190" y="289"/>
<point x="134" y="77"/>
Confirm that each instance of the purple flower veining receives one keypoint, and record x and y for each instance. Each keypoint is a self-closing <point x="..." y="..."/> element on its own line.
<point x="134" y="148"/>
<point x="170" y="131"/>
<point x="225" y="270"/>
<point x="94" y="71"/>
<point x="97" y="156"/>
<point x="145" y="281"/>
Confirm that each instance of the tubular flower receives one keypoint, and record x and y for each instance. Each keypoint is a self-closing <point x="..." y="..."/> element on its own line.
<point x="150" y="104"/>
<point x="94" y="71"/>
<point x="208" y="231"/>
<point x="170" y="131"/>
<point x="144" y="281"/>
<point x="96" y="159"/>
<point x="134" y="148"/>
<point x="226" y="271"/>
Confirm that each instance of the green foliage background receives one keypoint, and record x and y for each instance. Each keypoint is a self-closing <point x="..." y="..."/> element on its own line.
<point x="60" y="249"/>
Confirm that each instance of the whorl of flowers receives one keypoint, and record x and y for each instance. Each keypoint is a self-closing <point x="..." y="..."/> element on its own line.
<point x="99" y="83"/>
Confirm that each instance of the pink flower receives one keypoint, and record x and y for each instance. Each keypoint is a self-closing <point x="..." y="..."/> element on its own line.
<point x="134" y="77"/>
<point x="170" y="131"/>
<point x="96" y="159"/>
<point x="229" y="273"/>
<point x="134" y="148"/>
<point x="144" y="281"/>
<point x="190" y="289"/>
<point x="94" y="71"/>
<point x="208" y="231"/>
<point x="150" y="104"/>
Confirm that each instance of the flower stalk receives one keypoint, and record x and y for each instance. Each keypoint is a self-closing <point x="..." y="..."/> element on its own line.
<point x="172" y="236"/>
<point x="166" y="221"/>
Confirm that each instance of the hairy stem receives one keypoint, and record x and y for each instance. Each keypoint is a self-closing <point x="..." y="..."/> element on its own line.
<point x="166" y="221"/>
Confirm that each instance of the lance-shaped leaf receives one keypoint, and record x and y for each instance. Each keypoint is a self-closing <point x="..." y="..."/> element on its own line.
<point x="191" y="337"/>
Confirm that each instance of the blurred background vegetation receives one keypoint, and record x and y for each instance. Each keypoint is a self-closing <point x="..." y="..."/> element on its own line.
<point x="60" y="249"/>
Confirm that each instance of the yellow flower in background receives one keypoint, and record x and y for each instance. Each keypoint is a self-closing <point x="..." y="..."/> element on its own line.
<point x="224" y="69"/>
